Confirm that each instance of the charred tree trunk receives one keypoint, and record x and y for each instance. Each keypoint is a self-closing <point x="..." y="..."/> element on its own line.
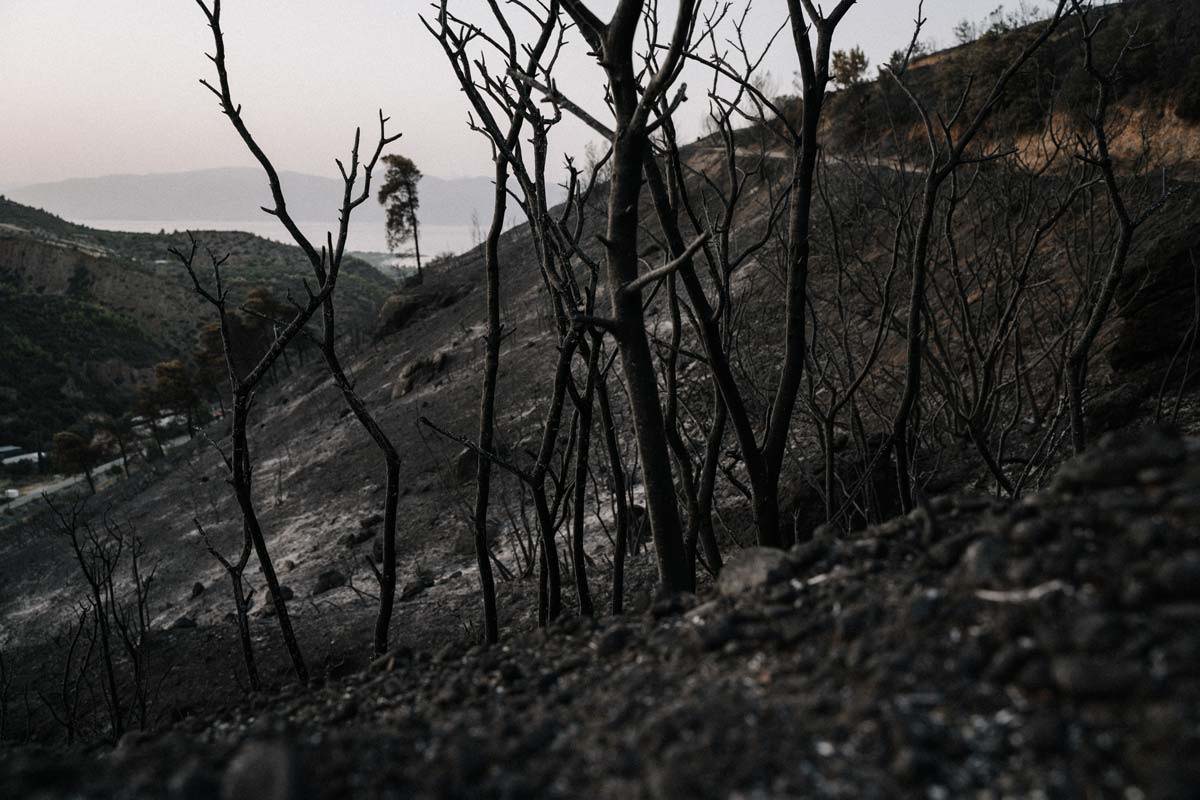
<point x="391" y="457"/>
<point x="242" y="484"/>
<point x="243" y="619"/>
<point x="550" y="602"/>
<point x="634" y="96"/>
<point x="487" y="403"/>
<point x="585" y="406"/>
<point x="619" y="490"/>
<point x="637" y="364"/>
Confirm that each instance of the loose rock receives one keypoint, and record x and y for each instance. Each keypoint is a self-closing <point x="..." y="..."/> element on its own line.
<point x="751" y="569"/>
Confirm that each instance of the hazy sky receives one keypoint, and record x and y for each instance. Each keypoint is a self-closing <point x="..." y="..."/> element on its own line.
<point x="91" y="87"/>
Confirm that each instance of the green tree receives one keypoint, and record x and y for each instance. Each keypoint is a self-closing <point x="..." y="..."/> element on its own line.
<point x="248" y="336"/>
<point x="398" y="195"/>
<point x="267" y="314"/>
<point x="212" y="374"/>
<point x="900" y="60"/>
<point x="176" y="390"/>
<point x="75" y="455"/>
<point x="849" y="67"/>
<point x="149" y="407"/>
<point x="966" y="31"/>
<point x="116" y="431"/>
<point x="1187" y="107"/>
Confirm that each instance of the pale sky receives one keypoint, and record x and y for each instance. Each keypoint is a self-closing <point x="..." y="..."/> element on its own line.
<point x="97" y="87"/>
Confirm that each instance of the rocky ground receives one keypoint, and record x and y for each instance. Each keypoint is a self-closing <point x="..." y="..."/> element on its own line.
<point x="974" y="648"/>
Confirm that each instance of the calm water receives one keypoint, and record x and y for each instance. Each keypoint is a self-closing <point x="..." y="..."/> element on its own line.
<point x="435" y="239"/>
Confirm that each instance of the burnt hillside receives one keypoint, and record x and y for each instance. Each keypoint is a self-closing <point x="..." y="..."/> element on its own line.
<point x="808" y="459"/>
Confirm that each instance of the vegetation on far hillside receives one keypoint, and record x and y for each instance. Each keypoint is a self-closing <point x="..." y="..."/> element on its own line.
<point x="1154" y="40"/>
<point x="62" y="358"/>
<point x="64" y="355"/>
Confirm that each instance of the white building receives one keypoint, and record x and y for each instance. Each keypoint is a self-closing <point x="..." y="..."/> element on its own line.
<point x="21" y="458"/>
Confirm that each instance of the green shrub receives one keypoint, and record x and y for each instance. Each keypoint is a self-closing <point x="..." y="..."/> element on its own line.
<point x="1187" y="106"/>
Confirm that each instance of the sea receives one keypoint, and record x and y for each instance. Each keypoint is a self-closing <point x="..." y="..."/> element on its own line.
<point x="368" y="238"/>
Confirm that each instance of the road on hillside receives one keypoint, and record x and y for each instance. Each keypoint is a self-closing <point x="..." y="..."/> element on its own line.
<point x="67" y="483"/>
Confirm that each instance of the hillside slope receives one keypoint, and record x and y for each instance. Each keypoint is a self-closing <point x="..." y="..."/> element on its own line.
<point x="1155" y="92"/>
<point x="1025" y="644"/>
<point x="90" y="312"/>
<point x="1042" y="647"/>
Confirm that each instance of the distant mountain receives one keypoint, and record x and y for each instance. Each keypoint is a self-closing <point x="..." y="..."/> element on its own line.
<point x="235" y="194"/>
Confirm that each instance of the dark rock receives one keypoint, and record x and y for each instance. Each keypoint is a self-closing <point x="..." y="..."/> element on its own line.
<point x="1031" y="531"/>
<point x="1035" y="676"/>
<point x="423" y="369"/>
<point x="715" y="633"/>
<point x="182" y="623"/>
<point x="701" y="613"/>
<point x="612" y="641"/>
<point x="1088" y="676"/>
<point x="1146" y="534"/>
<point x="370" y="521"/>
<point x="355" y="538"/>
<point x="670" y="604"/>
<point x="391" y="659"/>
<point x="1115" y="407"/>
<point x="344" y="712"/>
<point x="1006" y="662"/>
<point x="984" y="561"/>
<point x="972" y="657"/>
<point x="1155" y="306"/>
<point x="463" y="536"/>
<point x="923" y="606"/>
<point x="947" y="552"/>
<point x="910" y="764"/>
<point x="1135" y="592"/>
<point x="511" y="672"/>
<point x="451" y="694"/>
<point x="639" y="601"/>
<point x="327" y="581"/>
<point x="131" y="741"/>
<point x="413" y="589"/>
<point x="1099" y="468"/>
<point x="1097" y="633"/>
<point x="853" y="621"/>
<point x="752" y="568"/>
<point x="782" y="594"/>
<point x="1179" y="578"/>
<point x="805" y="554"/>
<point x="1186" y="613"/>
<point x="263" y="771"/>
<point x="397" y="311"/>
<point x="193" y="782"/>
<point x="1044" y="733"/>
<point x="197" y="589"/>
<point x="286" y="592"/>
